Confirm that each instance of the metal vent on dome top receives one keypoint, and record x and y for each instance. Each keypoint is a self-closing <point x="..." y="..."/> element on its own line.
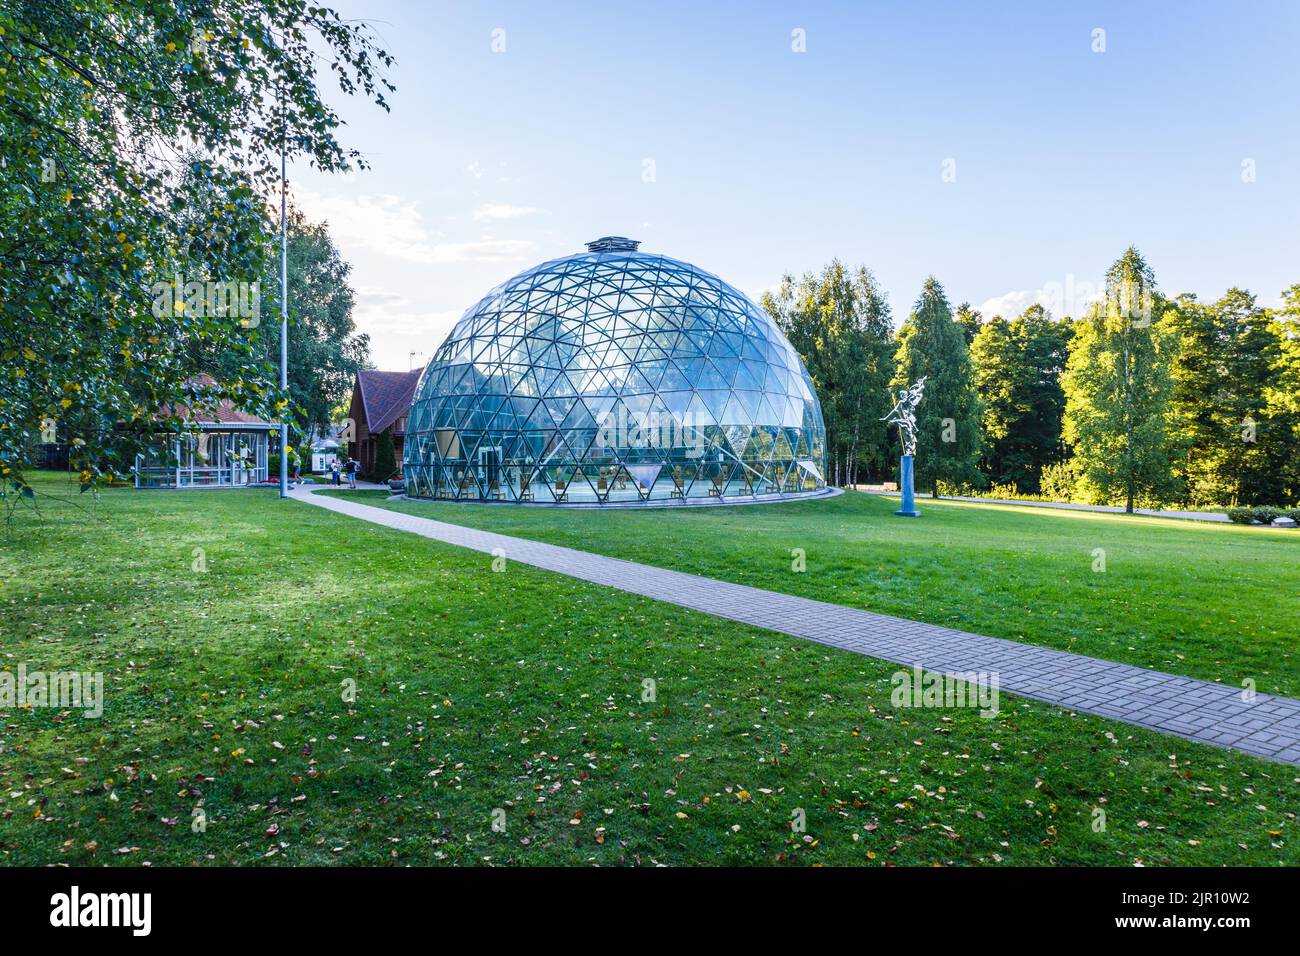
<point x="613" y="244"/>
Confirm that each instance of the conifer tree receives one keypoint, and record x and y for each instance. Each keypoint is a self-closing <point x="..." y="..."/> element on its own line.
<point x="995" y="364"/>
<point x="1227" y="360"/>
<point x="933" y="345"/>
<point x="839" y="322"/>
<point x="1281" y="425"/>
<point x="1017" y="367"/>
<point x="970" y="321"/>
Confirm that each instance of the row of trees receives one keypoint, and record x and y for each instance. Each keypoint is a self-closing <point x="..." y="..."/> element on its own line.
<point x="1235" y="397"/>
<point x="1141" y="400"/>
<point x="841" y="325"/>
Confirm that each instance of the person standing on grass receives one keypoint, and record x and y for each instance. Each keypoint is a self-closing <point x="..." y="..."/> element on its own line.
<point x="334" y="472"/>
<point x="352" y="472"/>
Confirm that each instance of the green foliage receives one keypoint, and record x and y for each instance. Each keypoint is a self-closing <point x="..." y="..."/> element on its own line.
<point x="1162" y="401"/>
<point x="1056" y="482"/>
<point x="970" y="321"/>
<point x="1197" y="379"/>
<point x="1118" y="389"/>
<point x="932" y="344"/>
<point x="840" y="324"/>
<point x="1228" y="356"/>
<point x="1263" y="514"/>
<point x="325" y="350"/>
<point x="296" y="461"/>
<point x="101" y="213"/>
<point x="1281" y="424"/>
<point x="385" y="459"/>
<point x="1017" y="368"/>
<point x="995" y="361"/>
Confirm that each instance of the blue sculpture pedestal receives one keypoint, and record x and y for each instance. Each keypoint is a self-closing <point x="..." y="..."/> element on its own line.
<point x="908" y="505"/>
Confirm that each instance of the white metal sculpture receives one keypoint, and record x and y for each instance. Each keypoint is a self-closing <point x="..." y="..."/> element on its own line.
<point x="903" y="414"/>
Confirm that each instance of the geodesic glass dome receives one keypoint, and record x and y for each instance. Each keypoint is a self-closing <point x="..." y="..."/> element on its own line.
<point x="614" y="376"/>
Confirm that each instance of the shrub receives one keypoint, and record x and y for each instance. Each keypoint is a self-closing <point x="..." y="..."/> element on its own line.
<point x="1056" y="483"/>
<point x="385" y="458"/>
<point x="1264" y="514"/>
<point x="1008" y="491"/>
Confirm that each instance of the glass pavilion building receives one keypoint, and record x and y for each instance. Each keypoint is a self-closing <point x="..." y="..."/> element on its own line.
<point x="615" y="376"/>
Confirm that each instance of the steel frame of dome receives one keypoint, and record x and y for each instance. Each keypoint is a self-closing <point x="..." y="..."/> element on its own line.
<point x="615" y="376"/>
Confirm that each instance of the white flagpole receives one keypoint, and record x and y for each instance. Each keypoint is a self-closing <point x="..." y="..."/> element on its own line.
<point x="284" y="324"/>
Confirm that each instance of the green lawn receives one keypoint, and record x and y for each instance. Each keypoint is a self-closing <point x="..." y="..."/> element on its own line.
<point x="1213" y="601"/>
<point x="522" y="691"/>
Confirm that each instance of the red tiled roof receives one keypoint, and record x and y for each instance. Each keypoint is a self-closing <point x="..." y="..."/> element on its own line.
<point x="224" y="414"/>
<point x="386" y="396"/>
<point x="227" y="414"/>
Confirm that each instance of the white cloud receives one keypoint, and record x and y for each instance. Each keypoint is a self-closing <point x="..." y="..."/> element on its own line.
<point x="397" y="327"/>
<point x="501" y="210"/>
<point x="394" y="227"/>
<point x="431" y="327"/>
<point x="1071" y="297"/>
<point x="1010" y="305"/>
<point x="373" y="295"/>
<point x="386" y="224"/>
<point x="380" y="313"/>
<point x="484" y="250"/>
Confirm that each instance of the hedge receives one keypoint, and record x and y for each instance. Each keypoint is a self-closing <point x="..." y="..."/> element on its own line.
<point x="1264" y="514"/>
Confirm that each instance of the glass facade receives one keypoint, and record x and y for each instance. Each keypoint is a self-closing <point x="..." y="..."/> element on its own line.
<point x="614" y="376"/>
<point x="215" y="457"/>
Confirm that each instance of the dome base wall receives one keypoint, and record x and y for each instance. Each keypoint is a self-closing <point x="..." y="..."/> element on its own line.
<point x="737" y="500"/>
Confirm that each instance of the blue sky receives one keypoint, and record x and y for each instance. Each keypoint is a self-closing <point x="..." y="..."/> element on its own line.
<point x="766" y="160"/>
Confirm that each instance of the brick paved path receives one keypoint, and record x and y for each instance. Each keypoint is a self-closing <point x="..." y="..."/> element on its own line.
<point x="1212" y="713"/>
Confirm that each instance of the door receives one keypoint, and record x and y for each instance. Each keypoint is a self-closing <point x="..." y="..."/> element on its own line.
<point x="489" y="468"/>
